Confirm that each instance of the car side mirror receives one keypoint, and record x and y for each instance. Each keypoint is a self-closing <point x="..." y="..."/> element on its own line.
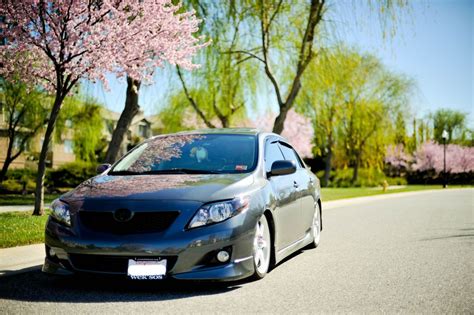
<point x="282" y="167"/>
<point x="102" y="168"/>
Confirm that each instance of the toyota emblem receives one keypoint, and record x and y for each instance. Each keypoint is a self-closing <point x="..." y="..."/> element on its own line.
<point x="123" y="215"/>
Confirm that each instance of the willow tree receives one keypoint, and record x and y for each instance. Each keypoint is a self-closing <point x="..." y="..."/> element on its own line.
<point x="353" y="100"/>
<point x="323" y="101"/>
<point x="25" y="111"/>
<point x="288" y="36"/>
<point x="453" y="121"/>
<point x="84" y="119"/>
<point x="371" y="97"/>
<point x="218" y="92"/>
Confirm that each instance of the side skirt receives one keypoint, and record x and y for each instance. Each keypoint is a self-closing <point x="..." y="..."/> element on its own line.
<point x="290" y="249"/>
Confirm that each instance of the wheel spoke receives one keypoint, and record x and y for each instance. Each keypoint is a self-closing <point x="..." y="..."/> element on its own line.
<point x="260" y="257"/>
<point x="261" y="249"/>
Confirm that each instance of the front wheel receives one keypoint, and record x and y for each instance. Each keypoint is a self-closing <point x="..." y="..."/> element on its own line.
<point x="316" y="227"/>
<point x="261" y="248"/>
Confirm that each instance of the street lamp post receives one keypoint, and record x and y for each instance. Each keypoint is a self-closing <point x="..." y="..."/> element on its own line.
<point x="445" y="179"/>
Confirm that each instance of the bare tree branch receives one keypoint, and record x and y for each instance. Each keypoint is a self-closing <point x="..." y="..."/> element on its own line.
<point x="192" y="101"/>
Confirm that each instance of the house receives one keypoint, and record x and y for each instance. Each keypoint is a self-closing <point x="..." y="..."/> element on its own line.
<point x="62" y="150"/>
<point x="140" y="129"/>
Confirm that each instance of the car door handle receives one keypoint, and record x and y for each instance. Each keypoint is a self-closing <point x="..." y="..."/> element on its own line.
<point x="311" y="181"/>
<point x="295" y="184"/>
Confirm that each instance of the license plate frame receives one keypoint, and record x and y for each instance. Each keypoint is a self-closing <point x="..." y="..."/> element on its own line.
<point x="147" y="268"/>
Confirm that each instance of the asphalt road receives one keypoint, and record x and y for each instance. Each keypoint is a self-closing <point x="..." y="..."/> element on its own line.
<point x="407" y="254"/>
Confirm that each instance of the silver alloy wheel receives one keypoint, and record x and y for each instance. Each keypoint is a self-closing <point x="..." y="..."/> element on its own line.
<point x="261" y="246"/>
<point x="316" y="227"/>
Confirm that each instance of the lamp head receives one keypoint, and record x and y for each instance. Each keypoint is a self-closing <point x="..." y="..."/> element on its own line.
<point x="444" y="135"/>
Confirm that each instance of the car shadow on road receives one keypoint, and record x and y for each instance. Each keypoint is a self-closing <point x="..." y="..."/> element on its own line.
<point x="35" y="286"/>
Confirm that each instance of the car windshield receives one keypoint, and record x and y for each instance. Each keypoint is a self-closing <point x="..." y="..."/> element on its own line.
<point x="191" y="154"/>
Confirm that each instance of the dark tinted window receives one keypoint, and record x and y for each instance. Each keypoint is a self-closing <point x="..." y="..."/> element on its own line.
<point x="290" y="154"/>
<point x="272" y="154"/>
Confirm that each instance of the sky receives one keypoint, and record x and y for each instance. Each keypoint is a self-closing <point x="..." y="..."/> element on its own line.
<point x="433" y="45"/>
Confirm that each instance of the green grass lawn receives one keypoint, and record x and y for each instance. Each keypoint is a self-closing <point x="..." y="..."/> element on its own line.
<point x="11" y="200"/>
<point x="343" y="193"/>
<point x="21" y="228"/>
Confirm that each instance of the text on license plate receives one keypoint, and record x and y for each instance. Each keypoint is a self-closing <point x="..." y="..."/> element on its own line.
<point x="146" y="269"/>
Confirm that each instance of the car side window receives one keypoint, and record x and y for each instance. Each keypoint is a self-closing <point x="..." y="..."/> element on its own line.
<point x="272" y="154"/>
<point x="290" y="154"/>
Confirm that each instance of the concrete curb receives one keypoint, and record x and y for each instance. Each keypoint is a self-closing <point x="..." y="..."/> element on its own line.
<point x="358" y="200"/>
<point x="21" y="259"/>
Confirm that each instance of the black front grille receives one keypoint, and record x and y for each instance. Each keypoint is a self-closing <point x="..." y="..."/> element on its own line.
<point x="141" y="222"/>
<point x="110" y="264"/>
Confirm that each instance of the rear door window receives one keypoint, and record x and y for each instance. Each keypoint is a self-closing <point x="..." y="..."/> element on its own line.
<point x="290" y="154"/>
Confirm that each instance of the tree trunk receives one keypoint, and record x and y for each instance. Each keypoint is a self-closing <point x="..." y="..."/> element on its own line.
<point x="39" y="190"/>
<point x="8" y="160"/>
<point x="355" y="175"/>
<point x="279" y="124"/>
<point x="3" y="172"/>
<point x="327" y="169"/>
<point x="125" y="120"/>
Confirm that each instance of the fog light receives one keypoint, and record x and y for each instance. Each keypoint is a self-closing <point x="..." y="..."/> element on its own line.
<point x="223" y="256"/>
<point x="52" y="253"/>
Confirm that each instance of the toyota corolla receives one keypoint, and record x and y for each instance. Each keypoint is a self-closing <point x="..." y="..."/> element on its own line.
<point x="221" y="204"/>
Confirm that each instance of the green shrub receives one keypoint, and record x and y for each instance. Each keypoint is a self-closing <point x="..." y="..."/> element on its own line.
<point x="70" y="174"/>
<point x="396" y="181"/>
<point x="19" y="179"/>
<point x="21" y="174"/>
<point x="11" y="186"/>
<point x="343" y="178"/>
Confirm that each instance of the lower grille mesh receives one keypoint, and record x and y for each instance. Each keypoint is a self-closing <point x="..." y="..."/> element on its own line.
<point x="109" y="264"/>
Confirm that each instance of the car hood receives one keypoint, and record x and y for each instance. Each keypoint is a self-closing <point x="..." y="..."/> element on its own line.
<point x="184" y="187"/>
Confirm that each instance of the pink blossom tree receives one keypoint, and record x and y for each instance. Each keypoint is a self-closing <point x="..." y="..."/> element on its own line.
<point x="61" y="42"/>
<point x="430" y="156"/>
<point x="397" y="158"/>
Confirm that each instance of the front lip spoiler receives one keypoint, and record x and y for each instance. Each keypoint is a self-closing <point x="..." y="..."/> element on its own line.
<point x="237" y="270"/>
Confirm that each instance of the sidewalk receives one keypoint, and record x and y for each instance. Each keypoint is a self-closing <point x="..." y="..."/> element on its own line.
<point x="25" y="258"/>
<point x="19" y="208"/>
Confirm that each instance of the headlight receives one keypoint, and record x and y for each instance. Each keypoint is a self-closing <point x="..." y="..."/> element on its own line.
<point x="219" y="211"/>
<point x="61" y="212"/>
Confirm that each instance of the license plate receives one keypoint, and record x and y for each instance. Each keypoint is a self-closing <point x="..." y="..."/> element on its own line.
<point x="146" y="269"/>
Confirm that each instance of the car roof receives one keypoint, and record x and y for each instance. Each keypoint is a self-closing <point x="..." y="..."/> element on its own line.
<point x="240" y="131"/>
<point x="236" y="131"/>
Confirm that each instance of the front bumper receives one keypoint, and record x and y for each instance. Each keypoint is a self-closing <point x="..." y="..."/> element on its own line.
<point x="190" y="253"/>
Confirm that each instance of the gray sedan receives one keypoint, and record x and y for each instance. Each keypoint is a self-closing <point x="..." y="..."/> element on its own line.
<point x="221" y="204"/>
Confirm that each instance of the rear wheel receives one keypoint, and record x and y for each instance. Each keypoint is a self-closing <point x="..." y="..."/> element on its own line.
<point x="316" y="227"/>
<point x="261" y="248"/>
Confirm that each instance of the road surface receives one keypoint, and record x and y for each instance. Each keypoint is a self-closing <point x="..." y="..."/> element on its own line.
<point x="413" y="253"/>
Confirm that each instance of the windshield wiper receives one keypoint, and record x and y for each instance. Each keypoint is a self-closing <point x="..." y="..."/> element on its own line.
<point x="181" y="171"/>
<point x="169" y="171"/>
<point x="123" y="173"/>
